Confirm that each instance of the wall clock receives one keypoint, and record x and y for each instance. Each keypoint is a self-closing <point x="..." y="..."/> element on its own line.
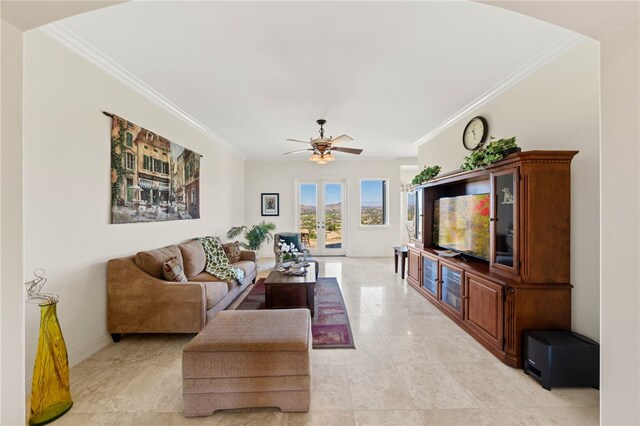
<point x="475" y="133"/>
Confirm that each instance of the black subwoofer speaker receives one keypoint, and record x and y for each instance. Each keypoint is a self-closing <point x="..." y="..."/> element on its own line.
<point x="560" y="358"/>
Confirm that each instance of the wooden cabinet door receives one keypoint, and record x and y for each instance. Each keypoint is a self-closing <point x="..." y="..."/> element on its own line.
<point x="504" y="221"/>
<point x="484" y="308"/>
<point x="413" y="273"/>
<point x="451" y="288"/>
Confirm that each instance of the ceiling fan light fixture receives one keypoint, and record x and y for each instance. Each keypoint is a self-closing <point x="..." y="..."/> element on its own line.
<point x="315" y="157"/>
<point x="329" y="157"/>
<point x="321" y="161"/>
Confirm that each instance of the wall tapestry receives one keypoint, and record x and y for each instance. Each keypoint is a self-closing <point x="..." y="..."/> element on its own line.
<point x="152" y="178"/>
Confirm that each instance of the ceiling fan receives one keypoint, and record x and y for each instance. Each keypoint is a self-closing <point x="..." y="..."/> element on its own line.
<point x="322" y="147"/>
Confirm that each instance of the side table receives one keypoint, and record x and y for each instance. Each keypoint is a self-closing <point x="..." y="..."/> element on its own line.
<point x="402" y="252"/>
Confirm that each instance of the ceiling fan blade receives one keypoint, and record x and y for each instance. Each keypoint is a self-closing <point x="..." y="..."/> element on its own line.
<point x="297" y="140"/>
<point x="298" y="151"/>
<point x="341" y="138"/>
<point x="347" y="150"/>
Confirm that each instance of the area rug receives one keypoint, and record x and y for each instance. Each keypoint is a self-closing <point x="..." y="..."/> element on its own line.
<point x="330" y="325"/>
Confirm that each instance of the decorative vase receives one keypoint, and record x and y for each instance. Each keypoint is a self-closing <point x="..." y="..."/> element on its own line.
<point x="50" y="395"/>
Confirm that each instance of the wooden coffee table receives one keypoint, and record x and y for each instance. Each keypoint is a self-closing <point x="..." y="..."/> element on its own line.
<point x="284" y="291"/>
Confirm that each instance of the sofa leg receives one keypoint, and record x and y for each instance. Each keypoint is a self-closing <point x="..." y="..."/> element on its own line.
<point x="116" y="337"/>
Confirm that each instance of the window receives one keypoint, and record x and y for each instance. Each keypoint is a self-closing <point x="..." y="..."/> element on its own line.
<point x="129" y="139"/>
<point x="373" y="202"/>
<point x="411" y="206"/>
<point x="130" y="161"/>
<point x="149" y="136"/>
<point x="146" y="162"/>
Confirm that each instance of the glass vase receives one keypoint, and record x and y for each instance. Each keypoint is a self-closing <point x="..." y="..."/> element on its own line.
<point x="50" y="395"/>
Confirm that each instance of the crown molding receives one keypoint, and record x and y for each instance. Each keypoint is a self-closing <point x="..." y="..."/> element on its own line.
<point x="522" y="73"/>
<point x="80" y="46"/>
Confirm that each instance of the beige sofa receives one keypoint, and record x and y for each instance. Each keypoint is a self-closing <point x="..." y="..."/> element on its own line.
<point x="140" y="300"/>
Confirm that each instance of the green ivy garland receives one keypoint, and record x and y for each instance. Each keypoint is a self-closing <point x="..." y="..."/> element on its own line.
<point x="117" y="162"/>
<point x="490" y="153"/>
<point x="426" y="174"/>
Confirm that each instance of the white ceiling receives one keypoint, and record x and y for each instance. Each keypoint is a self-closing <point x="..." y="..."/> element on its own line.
<point x="385" y="73"/>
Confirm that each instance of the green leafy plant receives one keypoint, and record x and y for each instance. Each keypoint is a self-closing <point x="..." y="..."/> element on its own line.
<point x="256" y="236"/>
<point x="426" y="174"/>
<point x="490" y="153"/>
<point x="117" y="162"/>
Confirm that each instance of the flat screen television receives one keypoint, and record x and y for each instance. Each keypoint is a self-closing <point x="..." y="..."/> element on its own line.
<point x="462" y="224"/>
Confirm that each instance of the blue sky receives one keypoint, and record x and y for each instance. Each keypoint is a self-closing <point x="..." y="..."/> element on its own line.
<point x="308" y="194"/>
<point x="371" y="192"/>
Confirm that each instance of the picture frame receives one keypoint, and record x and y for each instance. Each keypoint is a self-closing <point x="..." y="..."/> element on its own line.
<point x="270" y="202"/>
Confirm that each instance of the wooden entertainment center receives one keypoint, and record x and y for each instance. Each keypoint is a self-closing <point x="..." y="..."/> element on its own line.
<point x="525" y="284"/>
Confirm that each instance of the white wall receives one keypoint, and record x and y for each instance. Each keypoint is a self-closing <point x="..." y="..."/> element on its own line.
<point x="11" y="300"/>
<point x="555" y="108"/>
<point x="620" y="350"/>
<point x="67" y="187"/>
<point x="279" y="176"/>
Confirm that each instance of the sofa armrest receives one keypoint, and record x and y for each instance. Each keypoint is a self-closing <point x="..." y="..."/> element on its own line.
<point x="139" y="302"/>
<point x="249" y="255"/>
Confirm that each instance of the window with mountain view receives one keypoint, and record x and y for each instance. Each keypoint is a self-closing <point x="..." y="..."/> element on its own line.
<point x="373" y="202"/>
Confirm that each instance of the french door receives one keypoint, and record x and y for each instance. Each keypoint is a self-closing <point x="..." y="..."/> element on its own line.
<point x="320" y="216"/>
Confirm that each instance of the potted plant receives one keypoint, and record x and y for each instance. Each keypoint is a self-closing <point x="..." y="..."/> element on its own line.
<point x="494" y="151"/>
<point x="256" y="236"/>
<point x="426" y="174"/>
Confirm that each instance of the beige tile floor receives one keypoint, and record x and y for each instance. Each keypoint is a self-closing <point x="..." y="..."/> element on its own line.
<point x="412" y="366"/>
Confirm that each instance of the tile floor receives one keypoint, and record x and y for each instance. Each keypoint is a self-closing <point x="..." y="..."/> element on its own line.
<point x="412" y="366"/>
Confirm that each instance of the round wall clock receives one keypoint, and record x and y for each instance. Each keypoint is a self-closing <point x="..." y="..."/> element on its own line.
<point x="475" y="133"/>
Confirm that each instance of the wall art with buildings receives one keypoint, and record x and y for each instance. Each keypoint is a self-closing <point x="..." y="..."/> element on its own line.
<point x="152" y="178"/>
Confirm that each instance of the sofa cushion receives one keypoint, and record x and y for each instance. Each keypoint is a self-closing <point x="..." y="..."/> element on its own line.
<point x="193" y="258"/>
<point x="232" y="250"/>
<point x="152" y="261"/>
<point x="247" y="266"/>
<point x="215" y="292"/>
<point x="204" y="277"/>
<point x="172" y="271"/>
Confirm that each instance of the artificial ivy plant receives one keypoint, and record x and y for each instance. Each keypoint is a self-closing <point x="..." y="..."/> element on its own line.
<point x="426" y="174"/>
<point x="490" y="153"/>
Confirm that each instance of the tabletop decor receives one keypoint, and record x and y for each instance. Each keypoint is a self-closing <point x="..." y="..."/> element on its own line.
<point x="152" y="178"/>
<point x="50" y="393"/>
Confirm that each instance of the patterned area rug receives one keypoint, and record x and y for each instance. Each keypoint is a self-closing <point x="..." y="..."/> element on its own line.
<point x="330" y="325"/>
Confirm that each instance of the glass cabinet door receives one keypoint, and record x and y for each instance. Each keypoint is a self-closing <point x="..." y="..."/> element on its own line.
<point x="419" y="212"/>
<point x="451" y="290"/>
<point x="503" y="219"/>
<point x="430" y="275"/>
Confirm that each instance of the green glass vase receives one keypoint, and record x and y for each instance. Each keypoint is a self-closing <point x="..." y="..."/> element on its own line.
<point x="50" y="394"/>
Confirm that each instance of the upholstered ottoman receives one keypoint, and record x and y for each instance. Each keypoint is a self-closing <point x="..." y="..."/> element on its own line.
<point x="247" y="359"/>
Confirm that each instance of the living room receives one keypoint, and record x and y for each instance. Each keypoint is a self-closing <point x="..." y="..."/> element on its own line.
<point x="577" y="95"/>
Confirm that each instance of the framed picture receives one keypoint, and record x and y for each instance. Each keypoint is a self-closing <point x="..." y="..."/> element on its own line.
<point x="270" y="204"/>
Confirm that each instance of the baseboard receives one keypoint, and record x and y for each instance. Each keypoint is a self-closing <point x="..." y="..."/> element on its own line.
<point x="370" y="253"/>
<point x="89" y="350"/>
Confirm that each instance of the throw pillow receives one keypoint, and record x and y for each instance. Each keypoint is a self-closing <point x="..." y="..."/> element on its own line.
<point x="172" y="270"/>
<point x="232" y="250"/>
